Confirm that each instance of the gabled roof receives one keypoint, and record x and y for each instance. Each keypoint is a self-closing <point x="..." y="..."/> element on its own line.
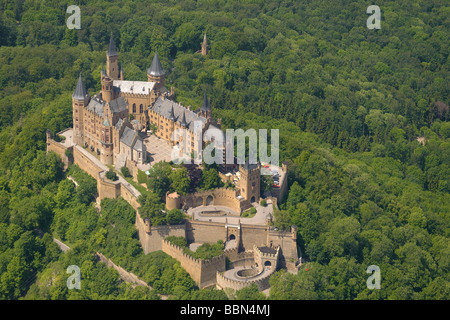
<point x="138" y="145"/>
<point x="163" y="106"/>
<point x="118" y="105"/>
<point x="128" y="136"/>
<point x="80" y="91"/>
<point x="96" y="106"/>
<point x="156" y="68"/>
<point x="112" y="51"/>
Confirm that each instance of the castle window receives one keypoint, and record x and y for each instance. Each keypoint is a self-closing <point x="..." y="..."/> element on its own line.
<point x="134" y="107"/>
<point x="141" y="108"/>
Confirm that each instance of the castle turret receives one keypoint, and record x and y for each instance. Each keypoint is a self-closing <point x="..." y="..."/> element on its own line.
<point x="107" y="89"/>
<point x="156" y="73"/>
<point x="112" y="64"/>
<point x="80" y="99"/>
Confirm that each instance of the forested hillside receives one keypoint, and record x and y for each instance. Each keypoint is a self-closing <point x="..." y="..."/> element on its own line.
<point x="350" y="104"/>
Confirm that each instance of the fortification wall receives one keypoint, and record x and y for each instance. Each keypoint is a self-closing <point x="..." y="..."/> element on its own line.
<point x="205" y="231"/>
<point x="220" y="197"/>
<point x="125" y="275"/>
<point x="81" y="160"/>
<point x="262" y="283"/>
<point x="203" y="272"/>
<point x="240" y="259"/>
<point x="253" y="235"/>
<point x="60" y="150"/>
<point x="287" y="241"/>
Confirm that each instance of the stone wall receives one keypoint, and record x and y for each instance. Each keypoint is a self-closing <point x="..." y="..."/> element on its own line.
<point x="219" y="197"/>
<point x="125" y="275"/>
<point x="60" y="150"/>
<point x="203" y="272"/>
<point x="261" y="283"/>
<point x="205" y="231"/>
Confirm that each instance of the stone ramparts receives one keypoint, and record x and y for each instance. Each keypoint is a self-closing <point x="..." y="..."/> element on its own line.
<point x="262" y="283"/>
<point x="203" y="272"/>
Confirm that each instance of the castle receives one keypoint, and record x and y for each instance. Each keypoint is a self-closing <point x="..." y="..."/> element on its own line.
<point x="111" y="128"/>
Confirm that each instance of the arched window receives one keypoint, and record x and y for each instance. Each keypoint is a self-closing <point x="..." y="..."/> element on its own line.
<point x="141" y="108"/>
<point x="134" y="107"/>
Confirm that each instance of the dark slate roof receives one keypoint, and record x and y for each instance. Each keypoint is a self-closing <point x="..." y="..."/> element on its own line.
<point x="205" y="105"/>
<point x="267" y="250"/>
<point x="171" y="115"/>
<point x="156" y="68"/>
<point x="183" y="119"/>
<point x="138" y="145"/>
<point x="112" y="51"/>
<point x="128" y="136"/>
<point x="80" y="91"/>
<point x="118" y="105"/>
<point x="96" y="105"/>
<point x="163" y="106"/>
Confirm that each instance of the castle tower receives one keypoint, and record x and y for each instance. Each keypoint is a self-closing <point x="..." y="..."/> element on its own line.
<point x="204" y="46"/>
<point x="106" y="155"/>
<point x="156" y="73"/>
<point x="249" y="183"/>
<point x="112" y="63"/>
<point x="80" y="99"/>
<point x="107" y="89"/>
<point x="205" y="110"/>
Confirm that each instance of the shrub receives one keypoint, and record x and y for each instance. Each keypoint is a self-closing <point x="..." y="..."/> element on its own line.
<point x="263" y="203"/>
<point x="111" y="175"/>
<point x="125" y="172"/>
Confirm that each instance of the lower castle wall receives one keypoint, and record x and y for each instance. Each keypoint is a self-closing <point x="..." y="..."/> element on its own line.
<point x="224" y="283"/>
<point x="203" y="272"/>
<point x="204" y="231"/>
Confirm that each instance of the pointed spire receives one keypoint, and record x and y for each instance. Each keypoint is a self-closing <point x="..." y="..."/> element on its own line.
<point x="156" y="68"/>
<point x="80" y="91"/>
<point x="205" y="105"/>
<point x="183" y="119"/>
<point x="171" y="115"/>
<point x="205" y="42"/>
<point x="112" y="47"/>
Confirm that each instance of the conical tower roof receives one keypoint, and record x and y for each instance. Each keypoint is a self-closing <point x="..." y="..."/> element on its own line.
<point x="205" y="42"/>
<point x="112" y="51"/>
<point x="205" y="105"/>
<point x="183" y="120"/>
<point x="171" y="115"/>
<point x="80" y="91"/>
<point x="156" y="68"/>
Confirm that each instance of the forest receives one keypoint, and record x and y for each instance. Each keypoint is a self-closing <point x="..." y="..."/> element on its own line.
<point x="363" y="118"/>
